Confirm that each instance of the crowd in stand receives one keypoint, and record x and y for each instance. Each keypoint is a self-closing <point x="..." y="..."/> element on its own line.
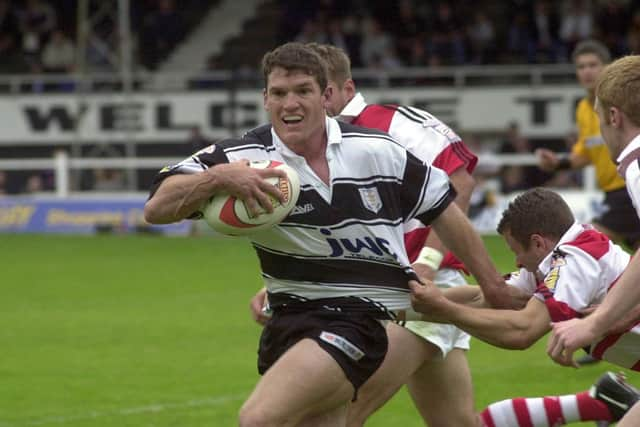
<point x="39" y="36"/>
<point x="383" y="34"/>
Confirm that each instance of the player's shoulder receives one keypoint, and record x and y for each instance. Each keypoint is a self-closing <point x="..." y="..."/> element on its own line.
<point x="257" y="137"/>
<point x="589" y="244"/>
<point x="356" y="133"/>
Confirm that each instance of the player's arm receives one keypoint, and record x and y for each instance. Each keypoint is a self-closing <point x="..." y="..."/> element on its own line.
<point x="467" y="295"/>
<point x="509" y="329"/>
<point x="461" y="238"/>
<point x="549" y="161"/>
<point x="180" y="196"/>
<point x="431" y="256"/>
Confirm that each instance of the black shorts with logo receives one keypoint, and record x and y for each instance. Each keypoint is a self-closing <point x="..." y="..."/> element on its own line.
<point x="357" y="341"/>
<point x="620" y="216"/>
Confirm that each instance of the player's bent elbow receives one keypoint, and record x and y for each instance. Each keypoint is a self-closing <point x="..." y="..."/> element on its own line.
<point x="153" y="213"/>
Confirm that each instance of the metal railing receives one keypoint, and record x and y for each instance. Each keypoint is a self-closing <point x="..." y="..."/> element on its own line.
<point x="143" y="81"/>
<point x="61" y="165"/>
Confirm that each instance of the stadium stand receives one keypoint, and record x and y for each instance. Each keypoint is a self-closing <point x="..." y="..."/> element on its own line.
<point x="407" y="44"/>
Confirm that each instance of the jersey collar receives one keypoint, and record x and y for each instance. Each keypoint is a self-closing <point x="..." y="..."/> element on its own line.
<point x="334" y="136"/>
<point x="627" y="155"/>
<point x="352" y="109"/>
<point x="569" y="236"/>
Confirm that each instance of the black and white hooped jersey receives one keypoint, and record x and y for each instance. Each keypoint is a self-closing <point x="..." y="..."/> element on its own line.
<point x="342" y="242"/>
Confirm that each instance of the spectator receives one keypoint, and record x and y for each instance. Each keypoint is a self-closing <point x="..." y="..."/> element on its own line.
<point x="481" y="38"/>
<point x="312" y="32"/>
<point x="516" y="178"/>
<point x="8" y="33"/>
<point x="197" y="141"/>
<point x="544" y="44"/>
<point x="446" y="35"/>
<point x="577" y="24"/>
<point x="613" y="22"/>
<point x="407" y="26"/>
<point x="163" y="29"/>
<point x="519" y="37"/>
<point x="3" y="183"/>
<point x="36" y="21"/>
<point x="34" y="184"/>
<point x="376" y="43"/>
<point x="58" y="55"/>
<point x="633" y="34"/>
<point x="108" y="180"/>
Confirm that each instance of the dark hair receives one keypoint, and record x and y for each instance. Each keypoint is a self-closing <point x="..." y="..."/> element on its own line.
<point x="295" y="56"/>
<point x="592" y="47"/>
<point x="537" y="211"/>
<point x="338" y="62"/>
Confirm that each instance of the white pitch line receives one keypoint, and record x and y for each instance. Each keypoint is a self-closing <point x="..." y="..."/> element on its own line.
<point x="153" y="408"/>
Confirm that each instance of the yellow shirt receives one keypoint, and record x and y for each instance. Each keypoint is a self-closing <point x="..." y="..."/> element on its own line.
<point x="590" y="144"/>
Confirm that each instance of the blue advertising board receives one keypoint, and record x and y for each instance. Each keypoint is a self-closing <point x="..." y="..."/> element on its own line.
<point x="79" y="216"/>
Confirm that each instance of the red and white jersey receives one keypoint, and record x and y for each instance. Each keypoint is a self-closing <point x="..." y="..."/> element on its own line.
<point x="424" y="136"/>
<point x="629" y="169"/>
<point x="577" y="274"/>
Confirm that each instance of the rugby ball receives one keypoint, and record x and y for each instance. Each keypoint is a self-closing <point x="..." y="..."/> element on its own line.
<point x="229" y="215"/>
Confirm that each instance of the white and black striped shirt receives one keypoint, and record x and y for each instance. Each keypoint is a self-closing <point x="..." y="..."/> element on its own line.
<point x="343" y="241"/>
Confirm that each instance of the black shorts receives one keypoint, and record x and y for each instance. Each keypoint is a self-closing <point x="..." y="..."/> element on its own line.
<point x="358" y="342"/>
<point x="620" y="216"/>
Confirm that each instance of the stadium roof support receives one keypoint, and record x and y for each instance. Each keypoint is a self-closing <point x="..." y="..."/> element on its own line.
<point x="105" y="44"/>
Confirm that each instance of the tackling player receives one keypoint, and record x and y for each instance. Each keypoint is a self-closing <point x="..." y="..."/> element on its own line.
<point x="567" y="267"/>
<point x="618" y="107"/>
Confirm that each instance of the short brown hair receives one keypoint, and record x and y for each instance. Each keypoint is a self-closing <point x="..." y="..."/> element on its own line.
<point x="592" y="47"/>
<point x="338" y="62"/>
<point x="295" y="56"/>
<point x="536" y="211"/>
<point x="619" y="86"/>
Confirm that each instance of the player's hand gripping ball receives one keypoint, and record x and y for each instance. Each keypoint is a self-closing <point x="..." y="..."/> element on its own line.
<point x="228" y="215"/>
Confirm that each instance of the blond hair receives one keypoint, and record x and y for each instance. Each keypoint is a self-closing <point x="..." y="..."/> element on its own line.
<point x="338" y="62"/>
<point x="619" y="86"/>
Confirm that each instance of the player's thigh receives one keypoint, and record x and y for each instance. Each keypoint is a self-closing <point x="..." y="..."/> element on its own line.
<point x="442" y="391"/>
<point x="406" y="353"/>
<point x="304" y="382"/>
<point x="632" y="418"/>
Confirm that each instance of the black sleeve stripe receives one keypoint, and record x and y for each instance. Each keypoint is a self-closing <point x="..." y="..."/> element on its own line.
<point x="423" y="192"/>
<point x="427" y="217"/>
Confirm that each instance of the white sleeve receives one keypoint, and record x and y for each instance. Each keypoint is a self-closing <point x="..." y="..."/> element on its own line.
<point x="632" y="179"/>
<point x="574" y="279"/>
<point x="522" y="279"/>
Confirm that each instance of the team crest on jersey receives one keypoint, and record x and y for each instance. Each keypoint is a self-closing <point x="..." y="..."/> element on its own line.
<point x="371" y="199"/>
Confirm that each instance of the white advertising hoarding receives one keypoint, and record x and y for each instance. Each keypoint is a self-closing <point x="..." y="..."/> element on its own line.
<point x="541" y="111"/>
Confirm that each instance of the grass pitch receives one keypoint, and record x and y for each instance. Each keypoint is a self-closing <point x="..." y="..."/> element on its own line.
<point x="152" y="331"/>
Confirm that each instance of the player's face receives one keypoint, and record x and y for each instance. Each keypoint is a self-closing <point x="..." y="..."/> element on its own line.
<point x="296" y="106"/>
<point x="526" y="257"/>
<point x="608" y="132"/>
<point x="588" y="67"/>
<point x="338" y="96"/>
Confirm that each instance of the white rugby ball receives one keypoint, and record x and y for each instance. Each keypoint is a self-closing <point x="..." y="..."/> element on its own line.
<point x="228" y="215"/>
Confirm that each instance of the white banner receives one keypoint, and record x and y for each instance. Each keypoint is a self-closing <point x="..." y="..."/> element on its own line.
<point x="541" y="111"/>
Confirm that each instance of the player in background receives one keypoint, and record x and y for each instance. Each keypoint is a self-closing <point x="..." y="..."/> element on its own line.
<point x="618" y="107"/>
<point x="429" y="358"/>
<point x="332" y="272"/>
<point x="566" y="267"/>
<point x="618" y="219"/>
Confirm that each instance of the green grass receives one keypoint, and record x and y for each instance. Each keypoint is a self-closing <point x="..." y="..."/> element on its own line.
<point x="151" y="331"/>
